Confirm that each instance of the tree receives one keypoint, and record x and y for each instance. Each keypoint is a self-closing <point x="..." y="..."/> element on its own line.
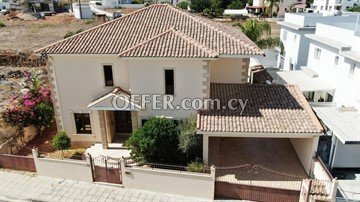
<point x="236" y="4"/>
<point x="199" y="5"/>
<point x="183" y="5"/>
<point x="156" y="142"/>
<point x="61" y="142"/>
<point x="190" y="143"/>
<point x="259" y="32"/>
<point x="269" y="4"/>
<point x="355" y="8"/>
<point x="215" y="9"/>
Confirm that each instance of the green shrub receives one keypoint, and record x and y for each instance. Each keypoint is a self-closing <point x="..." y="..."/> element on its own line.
<point x="61" y="141"/>
<point x="190" y="143"/>
<point x="156" y="142"/>
<point x="2" y="24"/>
<point x="89" y="21"/>
<point x="236" y="4"/>
<point x="69" y="34"/>
<point x="198" y="167"/>
<point x="183" y="5"/>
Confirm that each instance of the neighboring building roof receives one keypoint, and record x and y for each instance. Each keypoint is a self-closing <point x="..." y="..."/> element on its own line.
<point x="305" y="80"/>
<point x="122" y="102"/>
<point x="344" y="122"/>
<point x="351" y="54"/>
<point x="158" y="22"/>
<point x="269" y="109"/>
<point x="327" y="41"/>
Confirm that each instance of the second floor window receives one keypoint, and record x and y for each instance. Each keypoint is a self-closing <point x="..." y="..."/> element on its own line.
<point x="336" y="61"/>
<point x="169" y="81"/>
<point x="82" y="123"/>
<point x="352" y="69"/>
<point x="284" y="35"/>
<point x="108" y="75"/>
<point x="317" y="53"/>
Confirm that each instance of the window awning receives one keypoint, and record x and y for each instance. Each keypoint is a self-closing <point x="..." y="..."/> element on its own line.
<point x="115" y="100"/>
<point x="344" y="122"/>
<point x="306" y="79"/>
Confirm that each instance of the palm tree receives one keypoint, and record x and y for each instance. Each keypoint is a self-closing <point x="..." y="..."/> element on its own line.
<point x="269" y="4"/>
<point x="259" y="32"/>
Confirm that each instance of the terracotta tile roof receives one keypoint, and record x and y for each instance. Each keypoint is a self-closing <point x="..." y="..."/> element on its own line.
<point x="152" y="22"/>
<point x="270" y="109"/>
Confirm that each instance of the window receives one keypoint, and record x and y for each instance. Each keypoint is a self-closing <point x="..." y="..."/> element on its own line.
<point x="330" y="7"/>
<point x="352" y="69"/>
<point x="169" y="81"/>
<point x="108" y="75"/>
<point x="317" y="53"/>
<point x="336" y="61"/>
<point x="321" y="7"/>
<point x="295" y="37"/>
<point x="329" y="97"/>
<point x="82" y="123"/>
<point x="284" y="35"/>
<point x="143" y="121"/>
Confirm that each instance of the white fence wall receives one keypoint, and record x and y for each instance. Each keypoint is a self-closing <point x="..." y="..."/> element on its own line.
<point x="199" y="185"/>
<point x="64" y="169"/>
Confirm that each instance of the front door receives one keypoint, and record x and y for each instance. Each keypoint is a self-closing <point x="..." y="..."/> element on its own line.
<point x="123" y="122"/>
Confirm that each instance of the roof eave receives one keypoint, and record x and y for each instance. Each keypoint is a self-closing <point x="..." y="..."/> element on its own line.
<point x="261" y="134"/>
<point x="168" y="58"/>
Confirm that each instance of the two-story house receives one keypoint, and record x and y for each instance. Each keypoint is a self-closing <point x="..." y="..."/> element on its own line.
<point x="161" y="51"/>
<point x="292" y="34"/>
<point x="332" y="6"/>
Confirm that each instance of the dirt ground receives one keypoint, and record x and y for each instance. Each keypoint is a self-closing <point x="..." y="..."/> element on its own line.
<point x="29" y="35"/>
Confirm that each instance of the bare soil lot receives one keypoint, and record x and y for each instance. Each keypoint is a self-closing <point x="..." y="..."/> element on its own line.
<point x="29" y="35"/>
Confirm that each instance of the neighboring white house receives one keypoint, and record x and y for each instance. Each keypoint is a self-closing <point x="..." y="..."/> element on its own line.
<point x="284" y="6"/>
<point x="169" y="53"/>
<point x="331" y="6"/>
<point x="292" y="34"/>
<point x="4" y="5"/>
<point x="331" y="82"/>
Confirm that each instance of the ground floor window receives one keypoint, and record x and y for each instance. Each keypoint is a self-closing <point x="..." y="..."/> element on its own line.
<point x="82" y="123"/>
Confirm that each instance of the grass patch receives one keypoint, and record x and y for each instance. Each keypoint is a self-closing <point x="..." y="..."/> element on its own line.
<point x="89" y="21"/>
<point x="2" y="24"/>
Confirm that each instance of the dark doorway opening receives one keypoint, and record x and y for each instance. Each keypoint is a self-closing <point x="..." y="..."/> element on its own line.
<point x="123" y="122"/>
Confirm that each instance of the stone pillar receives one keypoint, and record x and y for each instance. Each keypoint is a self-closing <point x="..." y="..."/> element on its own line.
<point x="206" y="149"/>
<point x="104" y="140"/>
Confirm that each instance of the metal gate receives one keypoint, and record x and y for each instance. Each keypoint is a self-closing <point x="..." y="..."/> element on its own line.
<point x="106" y="169"/>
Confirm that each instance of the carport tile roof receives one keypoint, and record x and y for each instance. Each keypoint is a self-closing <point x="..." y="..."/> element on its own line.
<point x="123" y="34"/>
<point x="269" y="109"/>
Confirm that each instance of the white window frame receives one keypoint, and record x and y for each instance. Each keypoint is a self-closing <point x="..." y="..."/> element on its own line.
<point x="317" y="53"/>
<point x="336" y="60"/>
<point x="284" y="37"/>
<point x="352" y="70"/>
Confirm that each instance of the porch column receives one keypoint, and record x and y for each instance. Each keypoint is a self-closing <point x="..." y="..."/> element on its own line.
<point x="102" y="121"/>
<point x="206" y="149"/>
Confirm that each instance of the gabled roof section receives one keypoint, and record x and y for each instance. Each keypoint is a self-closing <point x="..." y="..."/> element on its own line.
<point x="122" y="34"/>
<point x="117" y="99"/>
<point x="171" y="43"/>
<point x="269" y="109"/>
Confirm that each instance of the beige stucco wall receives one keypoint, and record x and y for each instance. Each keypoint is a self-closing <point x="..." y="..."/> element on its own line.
<point x="173" y="182"/>
<point x="147" y="76"/>
<point x="305" y="149"/>
<point x="229" y="70"/>
<point x="79" y="80"/>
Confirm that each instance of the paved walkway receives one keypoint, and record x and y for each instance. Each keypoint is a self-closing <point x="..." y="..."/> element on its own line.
<point x="25" y="186"/>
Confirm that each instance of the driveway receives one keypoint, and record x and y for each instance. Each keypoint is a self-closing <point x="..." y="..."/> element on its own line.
<point x="264" y="161"/>
<point x="25" y="186"/>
